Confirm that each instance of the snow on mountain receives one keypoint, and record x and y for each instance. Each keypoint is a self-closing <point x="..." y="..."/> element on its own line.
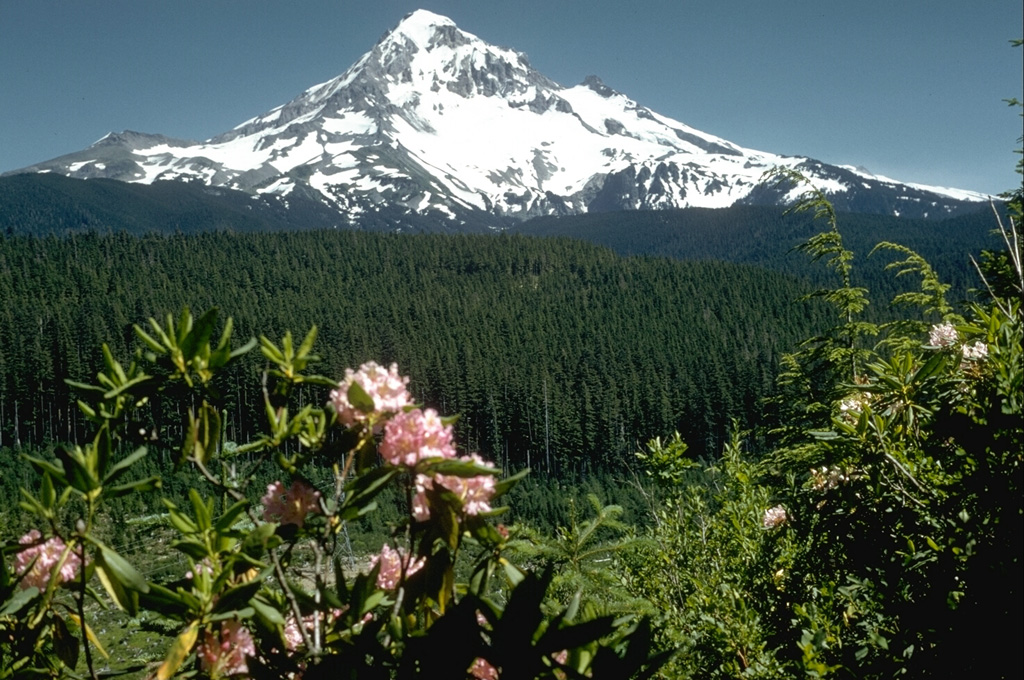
<point x="433" y="120"/>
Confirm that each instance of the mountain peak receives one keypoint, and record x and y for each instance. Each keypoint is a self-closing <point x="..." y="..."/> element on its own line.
<point x="420" y="26"/>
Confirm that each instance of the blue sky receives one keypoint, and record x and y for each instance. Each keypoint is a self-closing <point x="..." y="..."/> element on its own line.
<point x="911" y="89"/>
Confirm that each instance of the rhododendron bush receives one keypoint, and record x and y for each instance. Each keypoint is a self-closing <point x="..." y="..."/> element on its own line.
<point x="243" y="607"/>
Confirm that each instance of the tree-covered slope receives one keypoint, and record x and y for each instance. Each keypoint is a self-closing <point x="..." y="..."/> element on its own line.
<point x="558" y="354"/>
<point x="44" y="204"/>
<point x="767" y="237"/>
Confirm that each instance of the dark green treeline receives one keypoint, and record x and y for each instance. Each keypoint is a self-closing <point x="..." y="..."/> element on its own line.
<point x="556" y="353"/>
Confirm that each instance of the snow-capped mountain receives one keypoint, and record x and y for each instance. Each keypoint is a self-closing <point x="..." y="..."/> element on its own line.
<point x="435" y="121"/>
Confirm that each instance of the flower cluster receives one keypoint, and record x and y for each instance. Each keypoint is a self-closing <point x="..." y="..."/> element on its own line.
<point x="289" y="506"/>
<point x="395" y="567"/>
<point x="293" y="631"/>
<point x="411" y="437"/>
<point x="943" y="335"/>
<point x="851" y="406"/>
<point x="384" y="386"/>
<point x="825" y="478"/>
<point x="774" y="517"/>
<point x="474" y="493"/>
<point x="37" y="561"/>
<point x="223" y="652"/>
<point x="976" y="351"/>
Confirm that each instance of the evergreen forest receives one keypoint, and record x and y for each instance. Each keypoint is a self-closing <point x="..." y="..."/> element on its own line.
<point x="558" y="355"/>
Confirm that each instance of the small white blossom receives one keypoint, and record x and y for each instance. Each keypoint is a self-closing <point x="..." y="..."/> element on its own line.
<point x="825" y="478"/>
<point x="975" y="352"/>
<point x="774" y="517"/>
<point x="943" y="335"/>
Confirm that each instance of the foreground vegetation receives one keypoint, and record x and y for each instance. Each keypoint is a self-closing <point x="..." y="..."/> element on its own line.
<point x="879" y="535"/>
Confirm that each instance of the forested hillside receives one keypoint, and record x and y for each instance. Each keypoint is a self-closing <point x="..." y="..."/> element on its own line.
<point x="767" y="237"/>
<point x="557" y="354"/>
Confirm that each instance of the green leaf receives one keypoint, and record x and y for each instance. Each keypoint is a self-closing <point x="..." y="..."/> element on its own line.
<point x="204" y="511"/>
<point x="931" y="367"/>
<point x="191" y="547"/>
<point x="85" y="387"/>
<point x="270" y="350"/>
<point x="198" y="337"/>
<point x="121" y="569"/>
<point x="91" y="635"/>
<point x="307" y="343"/>
<point x="237" y="597"/>
<point x="65" y="644"/>
<point x="179" y="520"/>
<point x="138" y="486"/>
<point x="269" y="614"/>
<point x="244" y="349"/>
<point x="113" y="366"/>
<point x="225" y="335"/>
<point x="358" y="397"/>
<point x="148" y="340"/>
<point x="122" y="466"/>
<point x="125" y="386"/>
<point x="167" y="602"/>
<point x="124" y="600"/>
<point x="78" y="474"/>
<point x="46" y="467"/>
<point x="230" y="516"/>
<point x="362" y="490"/>
<point x="19" y="600"/>
<point x="47" y="494"/>
<point x="178" y="652"/>
<point x="503" y="486"/>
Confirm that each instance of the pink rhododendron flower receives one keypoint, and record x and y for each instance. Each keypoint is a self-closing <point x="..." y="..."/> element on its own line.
<point x="483" y="670"/>
<point x="411" y="437"/>
<point x="385" y="387"/>
<point x="46" y="555"/>
<point x="290" y="506"/>
<point x="420" y="507"/>
<point x="223" y="653"/>
<point x="392" y="565"/>
<point x="475" y="493"/>
<point x="293" y="633"/>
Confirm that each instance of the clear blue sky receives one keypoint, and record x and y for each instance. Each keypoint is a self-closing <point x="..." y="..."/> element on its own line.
<point x="912" y="89"/>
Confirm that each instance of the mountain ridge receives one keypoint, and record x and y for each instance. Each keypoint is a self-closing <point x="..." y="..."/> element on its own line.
<point x="435" y="122"/>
